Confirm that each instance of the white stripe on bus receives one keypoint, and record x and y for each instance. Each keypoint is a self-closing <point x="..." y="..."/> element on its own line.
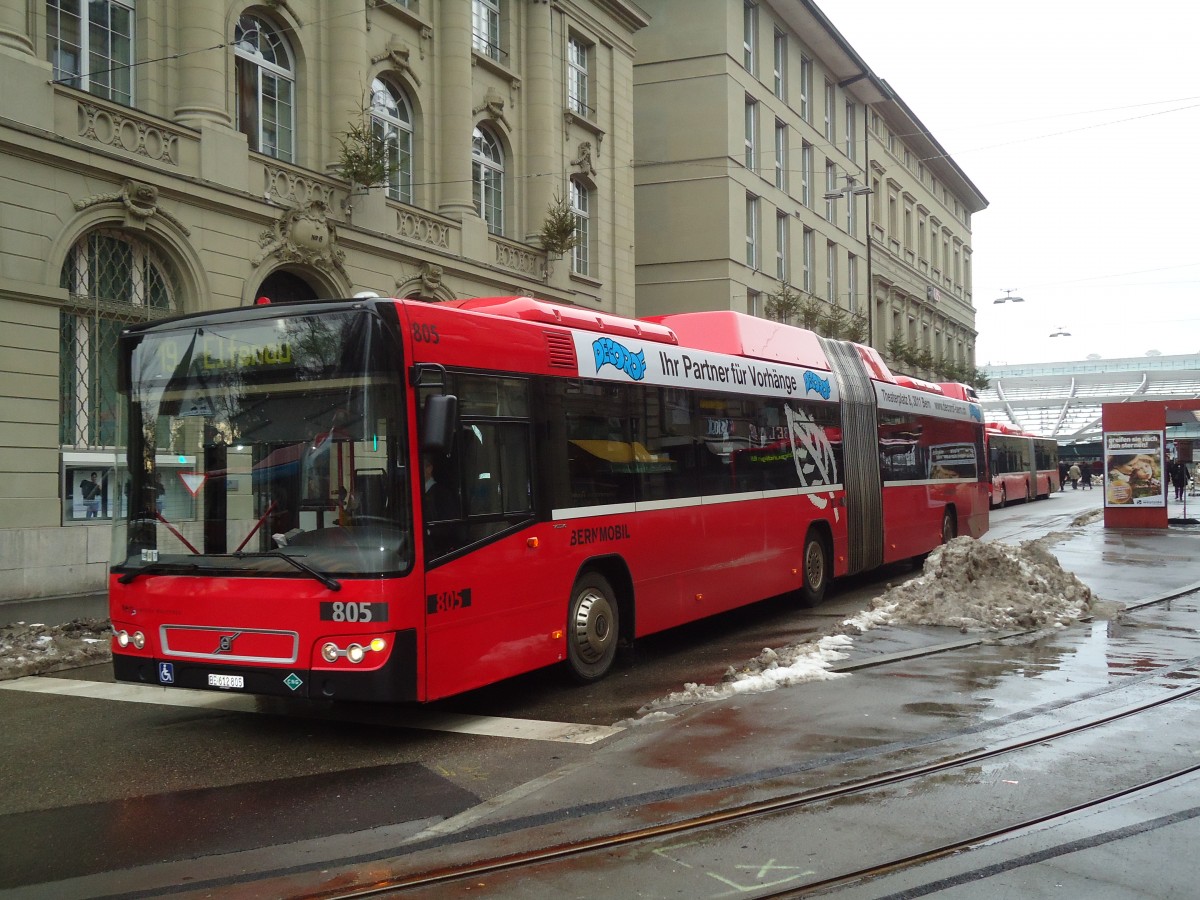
<point x="427" y="720"/>
<point x="627" y="509"/>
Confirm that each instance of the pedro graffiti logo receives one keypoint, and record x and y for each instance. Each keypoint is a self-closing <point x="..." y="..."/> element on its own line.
<point x="611" y="353"/>
<point x="814" y="382"/>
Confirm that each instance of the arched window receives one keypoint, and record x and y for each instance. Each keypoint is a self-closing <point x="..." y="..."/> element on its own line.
<point x="391" y="125"/>
<point x="581" y="204"/>
<point x="266" y="87"/>
<point x="487" y="169"/>
<point x="113" y="280"/>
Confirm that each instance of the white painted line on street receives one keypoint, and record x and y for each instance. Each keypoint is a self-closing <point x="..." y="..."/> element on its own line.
<point x="488" y="726"/>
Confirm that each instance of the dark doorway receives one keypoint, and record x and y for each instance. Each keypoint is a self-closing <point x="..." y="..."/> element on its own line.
<point x="281" y="287"/>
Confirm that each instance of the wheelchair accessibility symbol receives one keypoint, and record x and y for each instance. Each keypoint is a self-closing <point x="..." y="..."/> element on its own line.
<point x="166" y="673"/>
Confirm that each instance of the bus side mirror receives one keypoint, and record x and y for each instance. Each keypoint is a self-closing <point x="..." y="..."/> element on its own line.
<point x="440" y="424"/>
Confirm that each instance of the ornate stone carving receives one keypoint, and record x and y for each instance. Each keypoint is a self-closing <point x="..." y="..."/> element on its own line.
<point x="285" y="186"/>
<point x="519" y="260"/>
<point x="140" y="201"/>
<point x="304" y="235"/>
<point x="398" y="56"/>
<point x="584" y="161"/>
<point x="128" y="133"/>
<point x="431" y="279"/>
<point x="419" y="228"/>
<point x="493" y="105"/>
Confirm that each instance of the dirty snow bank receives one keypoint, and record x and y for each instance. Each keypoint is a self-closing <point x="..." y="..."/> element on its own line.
<point x="35" y="649"/>
<point x="966" y="584"/>
<point x="974" y="586"/>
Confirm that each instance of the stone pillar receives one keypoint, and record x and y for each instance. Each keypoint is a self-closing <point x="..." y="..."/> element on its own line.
<point x="13" y="31"/>
<point x="346" y="63"/>
<point x="202" y="95"/>
<point x="544" y="121"/>
<point x="452" y="50"/>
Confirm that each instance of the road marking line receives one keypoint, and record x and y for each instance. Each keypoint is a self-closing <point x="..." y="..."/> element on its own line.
<point x="488" y="726"/>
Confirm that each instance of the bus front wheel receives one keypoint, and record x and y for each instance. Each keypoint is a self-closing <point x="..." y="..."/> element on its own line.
<point x="592" y="628"/>
<point x="816" y="569"/>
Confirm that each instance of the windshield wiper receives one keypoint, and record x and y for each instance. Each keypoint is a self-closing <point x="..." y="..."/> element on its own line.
<point x="332" y="583"/>
<point x="154" y="567"/>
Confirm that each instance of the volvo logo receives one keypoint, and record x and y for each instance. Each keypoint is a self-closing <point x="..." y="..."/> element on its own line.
<point x="226" y="644"/>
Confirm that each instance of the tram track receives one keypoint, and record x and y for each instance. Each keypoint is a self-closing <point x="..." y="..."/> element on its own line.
<point x="627" y="842"/>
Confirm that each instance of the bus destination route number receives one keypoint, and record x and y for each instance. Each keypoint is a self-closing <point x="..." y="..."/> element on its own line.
<point x="448" y="600"/>
<point x="350" y="611"/>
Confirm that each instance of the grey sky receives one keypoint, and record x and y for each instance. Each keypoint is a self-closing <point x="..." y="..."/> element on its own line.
<point x="1079" y="121"/>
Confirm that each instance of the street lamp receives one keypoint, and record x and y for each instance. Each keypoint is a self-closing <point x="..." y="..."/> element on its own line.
<point x="1060" y="333"/>
<point x="851" y="190"/>
<point x="1008" y="295"/>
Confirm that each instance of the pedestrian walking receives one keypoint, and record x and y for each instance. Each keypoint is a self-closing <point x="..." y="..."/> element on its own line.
<point x="1178" y="474"/>
<point x="1085" y="474"/>
<point x="1073" y="474"/>
<point x="1062" y="476"/>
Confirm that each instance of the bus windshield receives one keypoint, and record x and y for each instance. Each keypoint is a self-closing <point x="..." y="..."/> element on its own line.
<point x="273" y="445"/>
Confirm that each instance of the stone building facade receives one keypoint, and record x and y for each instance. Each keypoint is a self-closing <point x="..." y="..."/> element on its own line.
<point x="173" y="156"/>
<point x="770" y="156"/>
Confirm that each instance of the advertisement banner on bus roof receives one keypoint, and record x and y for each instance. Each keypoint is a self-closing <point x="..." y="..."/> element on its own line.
<point x="893" y="398"/>
<point x="646" y="362"/>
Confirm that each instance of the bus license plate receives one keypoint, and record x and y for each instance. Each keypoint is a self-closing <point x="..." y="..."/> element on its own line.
<point x="226" y="681"/>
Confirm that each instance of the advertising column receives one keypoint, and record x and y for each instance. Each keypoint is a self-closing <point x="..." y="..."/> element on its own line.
<point x="1133" y="467"/>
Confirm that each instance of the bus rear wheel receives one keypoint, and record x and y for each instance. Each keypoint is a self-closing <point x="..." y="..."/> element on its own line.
<point x="949" y="527"/>
<point x="816" y="569"/>
<point x="593" y="625"/>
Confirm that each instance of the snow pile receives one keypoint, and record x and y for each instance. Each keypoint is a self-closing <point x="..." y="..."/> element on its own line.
<point x="35" y="649"/>
<point x="795" y="664"/>
<point x="966" y="584"/>
<point x="974" y="586"/>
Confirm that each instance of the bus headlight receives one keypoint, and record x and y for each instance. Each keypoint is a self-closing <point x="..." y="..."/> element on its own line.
<point x="353" y="653"/>
<point x="124" y="639"/>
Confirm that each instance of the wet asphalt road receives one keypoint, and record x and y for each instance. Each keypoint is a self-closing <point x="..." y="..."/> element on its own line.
<point x="100" y="786"/>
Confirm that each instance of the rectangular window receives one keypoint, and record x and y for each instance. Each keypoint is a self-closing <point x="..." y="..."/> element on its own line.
<point x="578" y="54"/>
<point x="780" y="70"/>
<point x="831" y="272"/>
<point x="852" y="281"/>
<point x="750" y="36"/>
<point x="781" y="246"/>
<point x="580" y="207"/>
<point x="752" y="231"/>
<point x="830" y="188"/>
<point x="751" y="135"/>
<point x="851" y="213"/>
<point x="753" y="303"/>
<point x="806" y="174"/>
<point x="830" y="113"/>
<point x="91" y="46"/>
<point x="805" y="89"/>
<point x="809" y="250"/>
<point x="485" y="27"/>
<point x="781" y="162"/>
<point x="851" y="128"/>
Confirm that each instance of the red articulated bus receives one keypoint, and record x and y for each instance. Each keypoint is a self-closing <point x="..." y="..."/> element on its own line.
<point x="1023" y="466"/>
<point x="392" y="500"/>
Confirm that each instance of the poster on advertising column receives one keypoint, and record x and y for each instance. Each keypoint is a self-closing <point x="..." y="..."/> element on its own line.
<point x="1133" y="467"/>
